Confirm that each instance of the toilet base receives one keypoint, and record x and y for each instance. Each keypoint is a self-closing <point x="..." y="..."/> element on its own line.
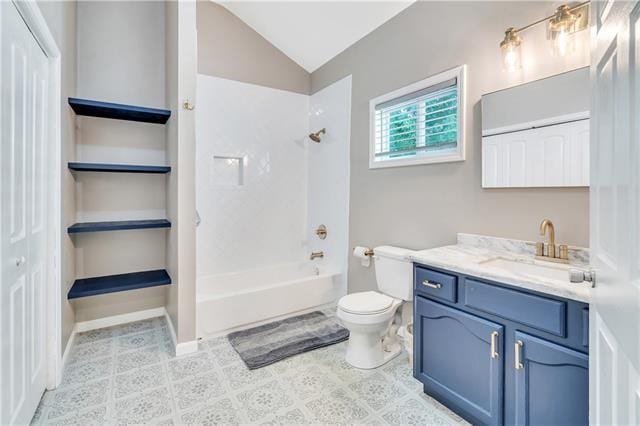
<point x="366" y="351"/>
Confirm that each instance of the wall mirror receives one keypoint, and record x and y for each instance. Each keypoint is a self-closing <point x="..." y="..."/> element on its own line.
<point x="537" y="134"/>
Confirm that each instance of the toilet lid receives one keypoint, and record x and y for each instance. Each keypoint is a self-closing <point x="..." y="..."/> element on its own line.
<point x="366" y="302"/>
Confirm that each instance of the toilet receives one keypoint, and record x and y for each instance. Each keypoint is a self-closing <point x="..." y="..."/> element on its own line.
<point x="373" y="317"/>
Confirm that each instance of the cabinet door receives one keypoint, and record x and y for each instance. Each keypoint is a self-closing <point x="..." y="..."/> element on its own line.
<point x="550" y="156"/>
<point x="551" y="383"/>
<point x="459" y="359"/>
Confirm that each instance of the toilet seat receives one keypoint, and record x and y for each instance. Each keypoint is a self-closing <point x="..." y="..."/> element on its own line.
<point x="366" y="303"/>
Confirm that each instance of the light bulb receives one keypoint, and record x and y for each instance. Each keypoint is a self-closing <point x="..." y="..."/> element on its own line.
<point x="510" y="46"/>
<point x="560" y="31"/>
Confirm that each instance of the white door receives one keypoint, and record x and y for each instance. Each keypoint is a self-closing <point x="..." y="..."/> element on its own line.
<point x="23" y="212"/>
<point x="615" y="214"/>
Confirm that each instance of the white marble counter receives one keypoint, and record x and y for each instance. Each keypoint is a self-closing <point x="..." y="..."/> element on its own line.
<point x="468" y="255"/>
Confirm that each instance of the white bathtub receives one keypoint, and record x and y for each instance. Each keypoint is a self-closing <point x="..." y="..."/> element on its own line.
<point x="230" y="301"/>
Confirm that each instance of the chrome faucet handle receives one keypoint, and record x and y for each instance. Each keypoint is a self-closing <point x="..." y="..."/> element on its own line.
<point x="578" y="276"/>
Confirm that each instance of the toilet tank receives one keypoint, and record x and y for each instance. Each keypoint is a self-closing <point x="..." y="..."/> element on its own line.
<point x="394" y="271"/>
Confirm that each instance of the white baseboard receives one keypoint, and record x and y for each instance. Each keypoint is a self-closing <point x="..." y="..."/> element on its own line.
<point x="80" y="327"/>
<point x="118" y="319"/>
<point x="186" y="348"/>
<point x="180" y="348"/>
<point x="172" y="331"/>
<point x="66" y="352"/>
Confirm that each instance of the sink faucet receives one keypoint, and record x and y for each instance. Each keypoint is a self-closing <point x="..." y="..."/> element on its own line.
<point x="551" y="251"/>
<point x="560" y="255"/>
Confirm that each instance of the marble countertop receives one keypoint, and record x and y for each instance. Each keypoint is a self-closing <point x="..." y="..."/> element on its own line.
<point x="468" y="255"/>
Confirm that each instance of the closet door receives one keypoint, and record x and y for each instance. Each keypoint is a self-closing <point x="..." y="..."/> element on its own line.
<point x="23" y="230"/>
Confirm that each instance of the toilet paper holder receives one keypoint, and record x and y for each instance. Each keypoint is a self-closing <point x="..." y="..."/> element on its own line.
<point x="369" y="252"/>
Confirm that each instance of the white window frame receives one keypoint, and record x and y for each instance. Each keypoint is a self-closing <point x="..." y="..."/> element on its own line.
<point x="460" y="74"/>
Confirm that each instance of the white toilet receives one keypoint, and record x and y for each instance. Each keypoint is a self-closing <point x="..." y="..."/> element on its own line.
<point x="369" y="316"/>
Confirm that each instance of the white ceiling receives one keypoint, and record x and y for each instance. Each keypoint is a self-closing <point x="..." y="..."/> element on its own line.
<point x="313" y="32"/>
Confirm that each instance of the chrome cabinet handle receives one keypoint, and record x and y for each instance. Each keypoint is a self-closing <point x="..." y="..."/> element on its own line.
<point x="518" y="354"/>
<point x="494" y="344"/>
<point x="431" y="285"/>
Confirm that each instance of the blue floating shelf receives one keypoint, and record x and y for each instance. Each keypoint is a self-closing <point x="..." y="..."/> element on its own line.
<point x="119" y="225"/>
<point x="118" y="168"/>
<point x="122" y="282"/>
<point x="119" y="111"/>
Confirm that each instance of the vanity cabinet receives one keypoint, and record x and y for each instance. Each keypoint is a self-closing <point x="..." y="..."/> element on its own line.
<point x="497" y="354"/>
<point x="458" y="359"/>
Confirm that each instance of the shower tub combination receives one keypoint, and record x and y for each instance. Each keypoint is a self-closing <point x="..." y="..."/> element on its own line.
<point x="230" y="301"/>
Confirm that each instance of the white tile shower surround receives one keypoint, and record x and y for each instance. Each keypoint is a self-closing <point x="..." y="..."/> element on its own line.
<point x="328" y="174"/>
<point x="261" y="222"/>
<point x="126" y="375"/>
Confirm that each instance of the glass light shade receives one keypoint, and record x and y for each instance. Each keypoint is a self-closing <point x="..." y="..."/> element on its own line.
<point x="511" y="52"/>
<point x="560" y="30"/>
<point x="563" y="43"/>
<point x="512" y="58"/>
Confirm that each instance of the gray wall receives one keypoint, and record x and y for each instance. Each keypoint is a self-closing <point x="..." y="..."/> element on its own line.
<point x="61" y="19"/>
<point x="562" y="94"/>
<point x="425" y="206"/>
<point x="121" y="51"/>
<point x="229" y="48"/>
<point x="121" y="58"/>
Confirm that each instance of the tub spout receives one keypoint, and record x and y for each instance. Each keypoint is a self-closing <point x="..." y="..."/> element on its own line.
<point x="316" y="254"/>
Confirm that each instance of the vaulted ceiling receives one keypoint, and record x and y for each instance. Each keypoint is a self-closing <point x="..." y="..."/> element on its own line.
<point x="313" y="32"/>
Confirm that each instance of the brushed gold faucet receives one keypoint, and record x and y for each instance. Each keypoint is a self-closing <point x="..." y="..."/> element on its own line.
<point x="560" y="255"/>
<point x="316" y="254"/>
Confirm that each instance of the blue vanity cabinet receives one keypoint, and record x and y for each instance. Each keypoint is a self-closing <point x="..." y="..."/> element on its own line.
<point x="470" y="334"/>
<point x="459" y="360"/>
<point x="551" y="383"/>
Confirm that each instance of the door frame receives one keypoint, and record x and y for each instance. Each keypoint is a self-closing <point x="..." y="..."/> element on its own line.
<point x="36" y="23"/>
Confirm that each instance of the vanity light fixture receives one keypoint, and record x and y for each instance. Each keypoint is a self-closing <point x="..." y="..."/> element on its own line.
<point x="560" y="29"/>
<point x="510" y="47"/>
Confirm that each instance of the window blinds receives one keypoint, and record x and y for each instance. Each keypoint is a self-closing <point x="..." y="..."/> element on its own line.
<point x="425" y="120"/>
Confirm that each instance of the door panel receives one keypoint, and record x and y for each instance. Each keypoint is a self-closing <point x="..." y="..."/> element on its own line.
<point x="24" y="83"/>
<point x="17" y="344"/>
<point x="552" y="387"/>
<point x="456" y="364"/>
<point x="615" y="211"/>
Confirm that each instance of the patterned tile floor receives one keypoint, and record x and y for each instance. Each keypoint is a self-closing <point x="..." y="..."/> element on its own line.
<point x="127" y="375"/>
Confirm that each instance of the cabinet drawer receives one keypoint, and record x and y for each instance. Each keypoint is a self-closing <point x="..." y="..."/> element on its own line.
<point x="537" y="312"/>
<point x="436" y="284"/>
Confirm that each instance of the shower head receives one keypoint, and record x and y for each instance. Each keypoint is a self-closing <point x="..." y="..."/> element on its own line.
<point x="316" y="136"/>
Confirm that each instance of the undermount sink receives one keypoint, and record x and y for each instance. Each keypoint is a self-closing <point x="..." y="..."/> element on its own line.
<point x="531" y="268"/>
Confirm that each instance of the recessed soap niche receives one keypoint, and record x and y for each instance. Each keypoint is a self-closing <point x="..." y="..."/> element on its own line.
<point x="228" y="170"/>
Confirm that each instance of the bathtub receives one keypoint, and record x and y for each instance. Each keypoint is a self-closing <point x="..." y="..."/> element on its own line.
<point x="231" y="301"/>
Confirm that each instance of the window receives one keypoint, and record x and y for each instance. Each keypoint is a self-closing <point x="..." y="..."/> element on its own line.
<point x="419" y="124"/>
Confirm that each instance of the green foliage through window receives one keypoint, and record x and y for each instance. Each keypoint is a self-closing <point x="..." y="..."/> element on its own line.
<point x="403" y="125"/>
<point x="428" y="123"/>
<point x="441" y="120"/>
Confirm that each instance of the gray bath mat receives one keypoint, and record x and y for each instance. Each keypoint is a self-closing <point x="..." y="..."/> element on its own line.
<point x="269" y="343"/>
